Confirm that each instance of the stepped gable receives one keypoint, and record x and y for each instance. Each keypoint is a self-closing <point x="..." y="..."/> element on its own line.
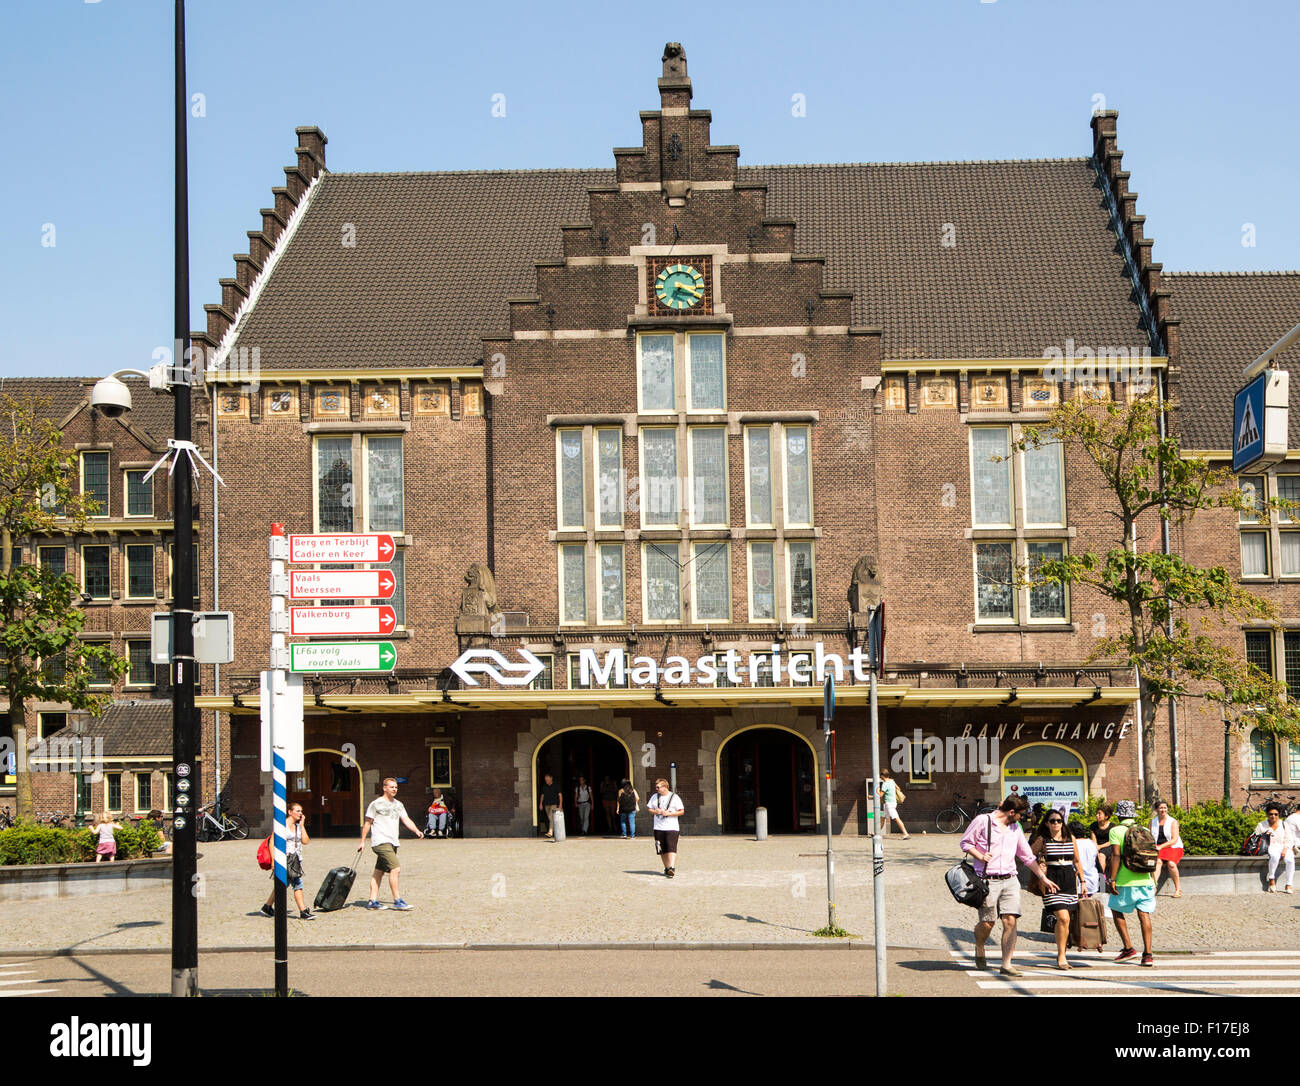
<point x="1228" y="320"/>
<point x="954" y="260"/>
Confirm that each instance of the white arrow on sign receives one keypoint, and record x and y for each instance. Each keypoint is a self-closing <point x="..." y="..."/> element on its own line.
<point x="341" y="584"/>
<point x="491" y="663"/>
<point x="315" y="621"/>
<point x="341" y="548"/>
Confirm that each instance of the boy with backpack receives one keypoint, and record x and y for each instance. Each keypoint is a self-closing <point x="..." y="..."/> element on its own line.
<point x="1132" y="859"/>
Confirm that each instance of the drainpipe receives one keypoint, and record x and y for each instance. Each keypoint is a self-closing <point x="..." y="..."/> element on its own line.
<point x="216" y="592"/>
<point x="1137" y="704"/>
<point x="490" y="489"/>
<point x="1167" y="549"/>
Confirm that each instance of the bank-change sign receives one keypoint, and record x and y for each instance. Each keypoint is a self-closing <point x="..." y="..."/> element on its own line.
<point x="1060" y="788"/>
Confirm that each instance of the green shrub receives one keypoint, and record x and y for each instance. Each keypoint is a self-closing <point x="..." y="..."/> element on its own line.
<point x="1213" y="829"/>
<point x="31" y="843"/>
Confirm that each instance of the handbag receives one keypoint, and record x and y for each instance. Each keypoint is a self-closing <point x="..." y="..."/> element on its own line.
<point x="966" y="886"/>
<point x="898" y="794"/>
<point x="293" y="865"/>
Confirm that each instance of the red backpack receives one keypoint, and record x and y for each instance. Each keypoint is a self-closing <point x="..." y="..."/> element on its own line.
<point x="264" y="855"/>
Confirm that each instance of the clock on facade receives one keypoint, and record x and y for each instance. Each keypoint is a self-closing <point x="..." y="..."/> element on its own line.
<point x="679" y="286"/>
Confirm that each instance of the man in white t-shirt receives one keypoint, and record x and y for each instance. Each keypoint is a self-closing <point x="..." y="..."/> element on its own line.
<point x="667" y="808"/>
<point x="382" y="818"/>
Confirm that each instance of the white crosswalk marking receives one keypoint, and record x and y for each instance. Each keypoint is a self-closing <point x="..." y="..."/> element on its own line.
<point x="1220" y="972"/>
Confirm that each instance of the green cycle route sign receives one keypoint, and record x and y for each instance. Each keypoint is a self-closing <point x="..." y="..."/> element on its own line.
<point x="335" y="656"/>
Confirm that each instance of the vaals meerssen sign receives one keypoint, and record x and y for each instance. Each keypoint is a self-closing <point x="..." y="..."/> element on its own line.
<point x="803" y="667"/>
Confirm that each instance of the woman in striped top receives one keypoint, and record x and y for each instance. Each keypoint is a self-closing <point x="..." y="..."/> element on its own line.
<point x="1058" y="858"/>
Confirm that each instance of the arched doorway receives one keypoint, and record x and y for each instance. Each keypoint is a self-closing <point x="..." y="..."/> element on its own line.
<point x="329" y="789"/>
<point x="767" y="767"/>
<point x="581" y="752"/>
<point x="1046" y="773"/>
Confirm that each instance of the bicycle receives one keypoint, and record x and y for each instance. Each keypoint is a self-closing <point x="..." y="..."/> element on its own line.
<point x="957" y="817"/>
<point x="6" y="818"/>
<point x="221" y="826"/>
<point x="1287" y="803"/>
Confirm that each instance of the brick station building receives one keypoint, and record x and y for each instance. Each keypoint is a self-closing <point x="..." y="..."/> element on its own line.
<point x="693" y="413"/>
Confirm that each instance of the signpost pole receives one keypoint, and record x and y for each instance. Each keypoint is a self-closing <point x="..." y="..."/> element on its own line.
<point x="828" y="714"/>
<point x="876" y="655"/>
<point x="275" y="683"/>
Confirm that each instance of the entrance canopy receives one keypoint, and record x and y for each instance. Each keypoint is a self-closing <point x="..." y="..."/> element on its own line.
<point x="889" y="696"/>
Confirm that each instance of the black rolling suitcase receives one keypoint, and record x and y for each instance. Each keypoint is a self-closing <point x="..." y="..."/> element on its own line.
<point x="333" y="893"/>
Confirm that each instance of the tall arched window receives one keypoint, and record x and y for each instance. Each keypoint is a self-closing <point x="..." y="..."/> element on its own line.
<point x="1263" y="756"/>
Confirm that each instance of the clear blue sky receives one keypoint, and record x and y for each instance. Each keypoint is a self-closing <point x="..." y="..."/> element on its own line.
<point x="1206" y="93"/>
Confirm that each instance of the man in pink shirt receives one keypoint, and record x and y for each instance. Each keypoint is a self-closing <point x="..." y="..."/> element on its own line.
<point x="995" y="842"/>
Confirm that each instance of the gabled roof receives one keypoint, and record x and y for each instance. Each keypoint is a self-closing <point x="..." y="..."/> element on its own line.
<point x="151" y="413"/>
<point x="134" y="729"/>
<point x="1228" y="320"/>
<point x="438" y="254"/>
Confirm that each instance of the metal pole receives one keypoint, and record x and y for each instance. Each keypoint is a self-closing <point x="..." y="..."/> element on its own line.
<point x="185" y="902"/>
<point x="877" y="850"/>
<point x="275" y="684"/>
<point x="830" y="851"/>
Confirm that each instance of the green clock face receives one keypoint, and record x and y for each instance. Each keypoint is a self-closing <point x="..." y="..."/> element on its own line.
<point x="679" y="287"/>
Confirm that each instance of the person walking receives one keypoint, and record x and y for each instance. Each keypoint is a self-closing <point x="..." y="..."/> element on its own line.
<point x="1058" y="857"/>
<point x="628" y="805"/>
<point x="995" y="842"/>
<point x="382" y="818"/>
<point x="1164" y="828"/>
<point x="667" y="807"/>
<point x="106" y="847"/>
<point x="1130" y="890"/>
<point x="891" y="796"/>
<point x="550" y="801"/>
<point x="1281" y="847"/>
<point x="582" y="796"/>
<point x="295" y="837"/>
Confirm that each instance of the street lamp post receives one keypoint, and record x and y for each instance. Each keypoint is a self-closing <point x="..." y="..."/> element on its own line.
<point x="112" y="397"/>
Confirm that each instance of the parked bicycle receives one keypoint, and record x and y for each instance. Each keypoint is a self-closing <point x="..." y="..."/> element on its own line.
<point x="957" y="817"/>
<point x="219" y="826"/>
<point x="1287" y="803"/>
<point x="6" y="818"/>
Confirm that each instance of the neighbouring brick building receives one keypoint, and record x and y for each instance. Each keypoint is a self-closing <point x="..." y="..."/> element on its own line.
<point x="699" y="416"/>
<point x="122" y="562"/>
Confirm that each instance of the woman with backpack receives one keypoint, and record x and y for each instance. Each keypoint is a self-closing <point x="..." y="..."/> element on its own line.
<point x="1164" y="828"/>
<point x="628" y="805"/>
<point x="1281" y="847"/>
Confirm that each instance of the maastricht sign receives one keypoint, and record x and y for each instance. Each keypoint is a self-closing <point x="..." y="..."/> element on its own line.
<point x="802" y="666"/>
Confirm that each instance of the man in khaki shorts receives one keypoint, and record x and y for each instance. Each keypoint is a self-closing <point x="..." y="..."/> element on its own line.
<point x="383" y="815"/>
<point x="995" y="842"/>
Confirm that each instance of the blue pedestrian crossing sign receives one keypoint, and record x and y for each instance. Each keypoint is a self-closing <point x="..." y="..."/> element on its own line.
<point x="1259" y="422"/>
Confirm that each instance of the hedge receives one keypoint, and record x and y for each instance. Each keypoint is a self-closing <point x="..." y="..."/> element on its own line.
<point x="31" y="843"/>
<point x="1209" y="828"/>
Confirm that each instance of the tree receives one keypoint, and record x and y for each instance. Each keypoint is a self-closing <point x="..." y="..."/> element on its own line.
<point x="44" y="657"/>
<point x="1172" y="606"/>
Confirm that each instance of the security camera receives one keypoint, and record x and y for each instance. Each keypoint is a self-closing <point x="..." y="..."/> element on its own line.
<point x="112" y="397"/>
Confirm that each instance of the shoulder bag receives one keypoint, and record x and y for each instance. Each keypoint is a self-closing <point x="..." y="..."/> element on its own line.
<point x="967" y="887"/>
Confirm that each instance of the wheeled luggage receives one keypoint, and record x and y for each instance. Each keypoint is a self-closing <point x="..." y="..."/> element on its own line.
<point x="333" y="893"/>
<point x="1088" y="925"/>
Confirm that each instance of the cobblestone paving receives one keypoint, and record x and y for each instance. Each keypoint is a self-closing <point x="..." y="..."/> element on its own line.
<point x="594" y="890"/>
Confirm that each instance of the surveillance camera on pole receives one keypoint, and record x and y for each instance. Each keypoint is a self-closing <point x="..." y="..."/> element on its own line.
<point x="113" y="398"/>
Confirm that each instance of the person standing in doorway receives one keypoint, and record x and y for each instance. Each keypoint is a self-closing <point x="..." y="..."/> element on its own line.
<point x="609" y="802"/>
<point x="628" y="805"/>
<point x="667" y="808"/>
<point x="891" y="796"/>
<point x="582" y="801"/>
<point x="995" y="842"/>
<point x="382" y="818"/>
<point x="550" y="801"/>
<point x="1129" y="890"/>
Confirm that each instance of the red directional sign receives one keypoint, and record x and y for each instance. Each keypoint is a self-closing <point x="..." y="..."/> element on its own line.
<point x="316" y="621"/>
<point x="340" y="548"/>
<point x="341" y="584"/>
